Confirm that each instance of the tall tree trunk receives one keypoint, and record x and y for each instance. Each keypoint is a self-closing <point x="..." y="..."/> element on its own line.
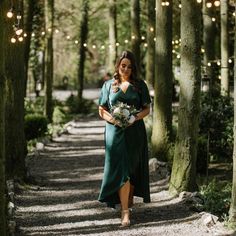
<point x="112" y="35"/>
<point x="135" y="32"/>
<point x="49" y="17"/>
<point x="83" y="34"/>
<point x="28" y="29"/>
<point x="151" y="43"/>
<point x="183" y="176"/>
<point x="162" y="116"/>
<point x="15" y="91"/>
<point x="232" y="211"/>
<point x="208" y="42"/>
<point x="224" y="48"/>
<point x="3" y="10"/>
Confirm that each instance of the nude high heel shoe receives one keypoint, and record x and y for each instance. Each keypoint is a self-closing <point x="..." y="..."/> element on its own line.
<point x="125" y="222"/>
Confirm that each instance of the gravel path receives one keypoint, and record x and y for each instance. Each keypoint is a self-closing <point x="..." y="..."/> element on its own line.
<point x="63" y="199"/>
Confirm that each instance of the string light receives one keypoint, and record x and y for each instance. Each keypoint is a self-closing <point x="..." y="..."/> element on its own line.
<point x="76" y="41"/>
<point x="117" y="44"/>
<point x="68" y="37"/>
<point x="43" y="33"/>
<point x="94" y="46"/>
<point x="208" y="4"/>
<point x="20" y="38"/>
<point x="230" y="60"/>
<point x="143" y="38"/>
<point x="25" y="35"/>
<point x="133" y="37"/>
<point x="33" y="35"/>
<point x="145" y="45"/>
<point x="180" y="5"/>
<point x="151" y="29"/>
<point x="209" y="64"/>
<point x="199" y="1"/>
<point x="126" y="41"/>
<point x="217" y="3"/>
<point x="85" y="45"/>
<point x="19" y="31"/>
<point x="213" y="19"/>
<point x="102" y="47"/>
<point x="218" y="63"/>
<point x="13" y="40"/>
<point x="10" y="13"/>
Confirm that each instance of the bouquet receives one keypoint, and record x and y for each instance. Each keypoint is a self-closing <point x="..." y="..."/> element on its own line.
<point x="123" y="114"/>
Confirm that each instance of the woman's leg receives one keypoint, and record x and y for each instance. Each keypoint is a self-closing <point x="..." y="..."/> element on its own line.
<point x="131" y="196"/>
<point x="124" y="199"/>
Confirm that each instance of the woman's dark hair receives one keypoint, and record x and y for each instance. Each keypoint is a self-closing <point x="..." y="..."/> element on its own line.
<point x="130" y="56"/>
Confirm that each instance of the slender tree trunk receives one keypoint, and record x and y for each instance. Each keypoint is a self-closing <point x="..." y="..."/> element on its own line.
<point x="232" y="211"/>
<point x="183" y="176"/>
<point x="112" y="35"/>
<point x="224" y="48"/>
<point x="135" y="31"/>
<point x="151" y="44"/>
<point x="49" y="16"/>
<point x="3" y="10"/>
<point x="15" y="91"/>
<point x="208" y="42"/>
<point x="28" y="29"/>
<point x="162" y="116"/>
<point x="83" y="34"/>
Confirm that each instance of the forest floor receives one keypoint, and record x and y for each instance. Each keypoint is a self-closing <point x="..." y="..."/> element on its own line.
<point x="62" y="198"/>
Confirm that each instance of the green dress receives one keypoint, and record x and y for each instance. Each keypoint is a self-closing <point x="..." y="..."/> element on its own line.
<point x="126" y="151"/>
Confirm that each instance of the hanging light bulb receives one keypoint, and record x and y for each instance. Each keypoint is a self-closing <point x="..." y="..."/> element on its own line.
<point x="94" y="46"/>
<point x="230" y="60"/>
<point x="20" y="38"/>
<point x="13" y="40"/>
<point x="117" y="44"/>
<point x="25" y="35"/>
<point x="199" y="1"/>
<point x="208" y="4"/>
<point x="209" y="64"/>
<point x="19" y="31"/>
<point x="213" y="19"/>
<point x="10" y="13"/>
<point x="218" y="63"/>
<point x="145" y="45"/>
<point x="217" y="3"/>
<point x="151" y="29"/>
<point x="76" y="41"/>
<point x="18" y="16"/>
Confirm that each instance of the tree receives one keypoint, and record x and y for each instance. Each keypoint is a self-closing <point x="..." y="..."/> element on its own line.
<point x="112" y="54"/>
<point x="151" y="43"/>
<point x="162" y="116"/>
<point x="15" y="91"/>
<point x="224" y="48"/>
<point x="232" y="211"/>
<point x="49" y="17"/>
<point x="135" y="31"/>
<point x="183" y="176"/>
<point x="3" y="10"/>
<point x="28" y="29"/>
<point x="83" y="34"/>
<point x="208" y="40"/>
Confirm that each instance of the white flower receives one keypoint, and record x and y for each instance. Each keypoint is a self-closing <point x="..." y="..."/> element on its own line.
<point x="126" y="113"/>
<point x="117" y="110"/>
<point x="131" y="119"/>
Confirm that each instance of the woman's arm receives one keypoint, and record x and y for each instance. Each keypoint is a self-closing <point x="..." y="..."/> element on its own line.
<point x="145" y="111"/>
<point x="104" y="114"/>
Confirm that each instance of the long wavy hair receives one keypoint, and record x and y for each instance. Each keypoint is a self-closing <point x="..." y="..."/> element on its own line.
<point x="130" y="56"/>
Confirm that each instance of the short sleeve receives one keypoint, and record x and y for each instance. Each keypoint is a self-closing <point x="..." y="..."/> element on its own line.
<point x="145" y="97"/>
<point x="103" y="99"/>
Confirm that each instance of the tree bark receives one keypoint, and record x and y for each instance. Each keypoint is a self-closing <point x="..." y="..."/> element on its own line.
<point x="3" y="10"/>
<point x="151" y="44"/>
<point x="162" y="114"/>
<point x="224" y="48"/>
<point x="83" y="34"/>
<point x="112" y="35"/>
<point x="28" y="30"/>
<point x="15" y="91"/>
<point x="135" y="32"/>
<point x="208" y="44"/>
<point x="49" y="16"/>
<point x="183" y="176"/>
<point x="232" y="211"/>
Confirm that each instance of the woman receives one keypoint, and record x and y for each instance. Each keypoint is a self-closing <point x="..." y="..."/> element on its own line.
<point x="126" y="163"/>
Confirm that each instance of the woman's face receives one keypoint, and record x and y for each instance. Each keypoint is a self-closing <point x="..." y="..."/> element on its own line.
<point x="125" y="68"/>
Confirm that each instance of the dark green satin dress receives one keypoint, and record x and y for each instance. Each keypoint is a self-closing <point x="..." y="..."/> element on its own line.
<point x="126" y="151"/>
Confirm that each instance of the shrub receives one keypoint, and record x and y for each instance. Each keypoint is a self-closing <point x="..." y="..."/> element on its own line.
<point x="35" y="105"/>
<point x="58" y="115"/>
<point x="216" y="118"/>
<point x="217" y="196"/>
<point x="35" y="126"/>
